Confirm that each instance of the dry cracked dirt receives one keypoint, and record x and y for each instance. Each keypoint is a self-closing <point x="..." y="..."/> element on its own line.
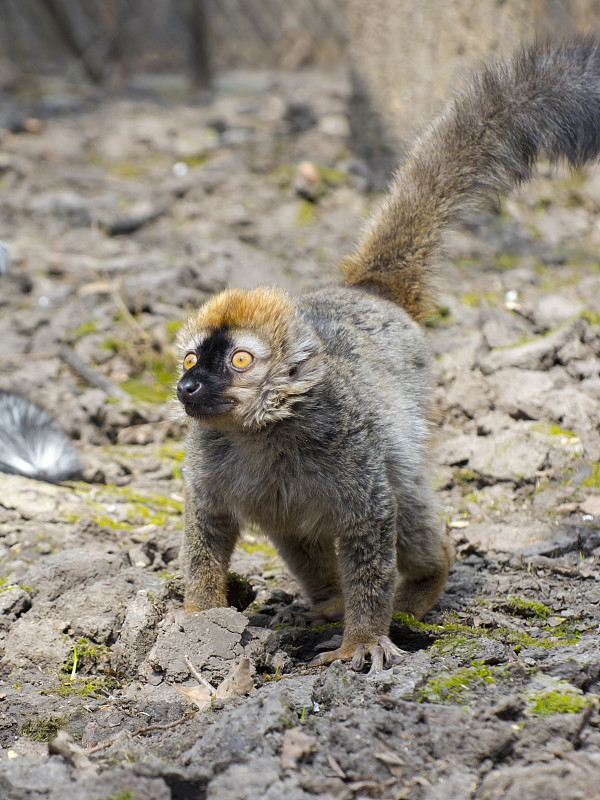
<point x="121" y="215"/>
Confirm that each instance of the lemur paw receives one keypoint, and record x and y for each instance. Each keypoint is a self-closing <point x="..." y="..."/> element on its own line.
<point x="383" y="653"/>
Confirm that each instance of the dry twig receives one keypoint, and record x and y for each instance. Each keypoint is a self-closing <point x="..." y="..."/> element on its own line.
<point x="139" y="731"/>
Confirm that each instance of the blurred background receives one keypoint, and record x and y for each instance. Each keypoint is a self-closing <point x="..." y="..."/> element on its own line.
<point x="110" y="42"/>
<point x="402" y="56"/>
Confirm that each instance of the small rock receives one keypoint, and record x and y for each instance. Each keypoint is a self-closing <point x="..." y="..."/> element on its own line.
<point x="137" y="634"/>
<point x="307" y="181"/>
<point x="584" y="368"/>
<point x="211" y="639"/>
<point x="574" y="350"/>
<point x="520" y="392"/>
<point x="554" y="309"/>
<point x="512" y="456"/>
<point x="299" y="117"/>
<point x="470" y="393"/>
<point x="139" y="215"/>
<point x="456" y="449"/>
<point x="34" y="643"/>
<point x="336" y="125"/>
<point x="64" y="204"/>
<point x="4" y="258"/>
<point x="539" y="354"/>
<point x="14" y="601"/>
<point x="591" y="505"/>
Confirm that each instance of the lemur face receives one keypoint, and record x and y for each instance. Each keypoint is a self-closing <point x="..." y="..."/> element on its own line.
<point x="247" y="359"/>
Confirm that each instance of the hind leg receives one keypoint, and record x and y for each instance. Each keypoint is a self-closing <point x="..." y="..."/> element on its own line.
<point x="314" y="565"/>
<point x="424" y="555"/>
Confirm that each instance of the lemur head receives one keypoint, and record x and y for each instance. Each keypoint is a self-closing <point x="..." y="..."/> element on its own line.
<point x="248" y="358"/>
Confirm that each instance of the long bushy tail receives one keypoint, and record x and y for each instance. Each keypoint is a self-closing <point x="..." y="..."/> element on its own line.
<point x="32" y="443"/>
<point x="546" y="100"/>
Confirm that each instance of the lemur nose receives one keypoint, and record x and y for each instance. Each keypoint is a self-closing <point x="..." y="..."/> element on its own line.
<point x="188" y="389"/>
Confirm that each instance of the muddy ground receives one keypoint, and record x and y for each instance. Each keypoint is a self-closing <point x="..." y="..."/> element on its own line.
<point x="120" y="216"/>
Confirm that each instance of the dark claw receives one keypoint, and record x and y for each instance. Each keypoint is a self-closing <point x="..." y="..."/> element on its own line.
<point x="358" y="658"/>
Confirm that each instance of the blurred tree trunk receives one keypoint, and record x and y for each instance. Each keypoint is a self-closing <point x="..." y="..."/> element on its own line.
<point x="194" y="14"/>
<point x="65" y="30"/>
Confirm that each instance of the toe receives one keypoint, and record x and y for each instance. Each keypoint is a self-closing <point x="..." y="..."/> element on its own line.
<point x="392" y="655"/>
<point x="358" y="658"/>
<point x="330" y="655"/>
<point x="377" y="658"/>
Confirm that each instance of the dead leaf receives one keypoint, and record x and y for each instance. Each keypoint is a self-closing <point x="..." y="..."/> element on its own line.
<point x="97" y="287"/>
<point x="199" y="695"/>
<point x="567" y="508"/>
<point x="64" y="746"/>
<point x="238" y="683"/>
<point x="296" y="746"/>
<point x="392" y="761"/>
<point x="336" y="767"/>
<point x="390" y="758"/>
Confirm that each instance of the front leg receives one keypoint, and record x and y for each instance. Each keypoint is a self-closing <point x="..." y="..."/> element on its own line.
<point x="210" y="536"/>
<point x="367" y="556"/>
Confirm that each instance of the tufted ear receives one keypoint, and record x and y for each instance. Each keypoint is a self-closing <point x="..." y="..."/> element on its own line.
<point x="304" y="356"/>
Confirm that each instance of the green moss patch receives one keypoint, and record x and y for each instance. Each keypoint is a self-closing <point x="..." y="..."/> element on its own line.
<point x="456" y="687"/>
<point x="86" y="672"/>
<point x="42" y="729"/>
<point x="593" y="480"/>
<point x="506" y="261"/>
<point x="152" y="375"/>
<point x="126" y="795"/>
<point x="83" y="330"/>
<point x="86" y="656"/>
<point x="440" y="316"/>
<point x="521" y="607"/>
<point x="258" y="547"/>
<point x="593" y="317"/>
<point x="557" y="702"/>
<point x="472" y="299"/>
<point x="87" y="686"/>
<point x="139" y="509"/>
<point x="552" y="430"/>
<point x="455" y="637"/>
<point x="306" y="213"/>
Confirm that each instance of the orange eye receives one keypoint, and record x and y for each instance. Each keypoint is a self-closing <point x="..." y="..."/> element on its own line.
<point x="190" y="360"/>
<point x="242" y="359"/>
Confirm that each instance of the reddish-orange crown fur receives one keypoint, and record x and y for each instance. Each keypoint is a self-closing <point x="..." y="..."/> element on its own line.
<point x="266" y="309"/>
